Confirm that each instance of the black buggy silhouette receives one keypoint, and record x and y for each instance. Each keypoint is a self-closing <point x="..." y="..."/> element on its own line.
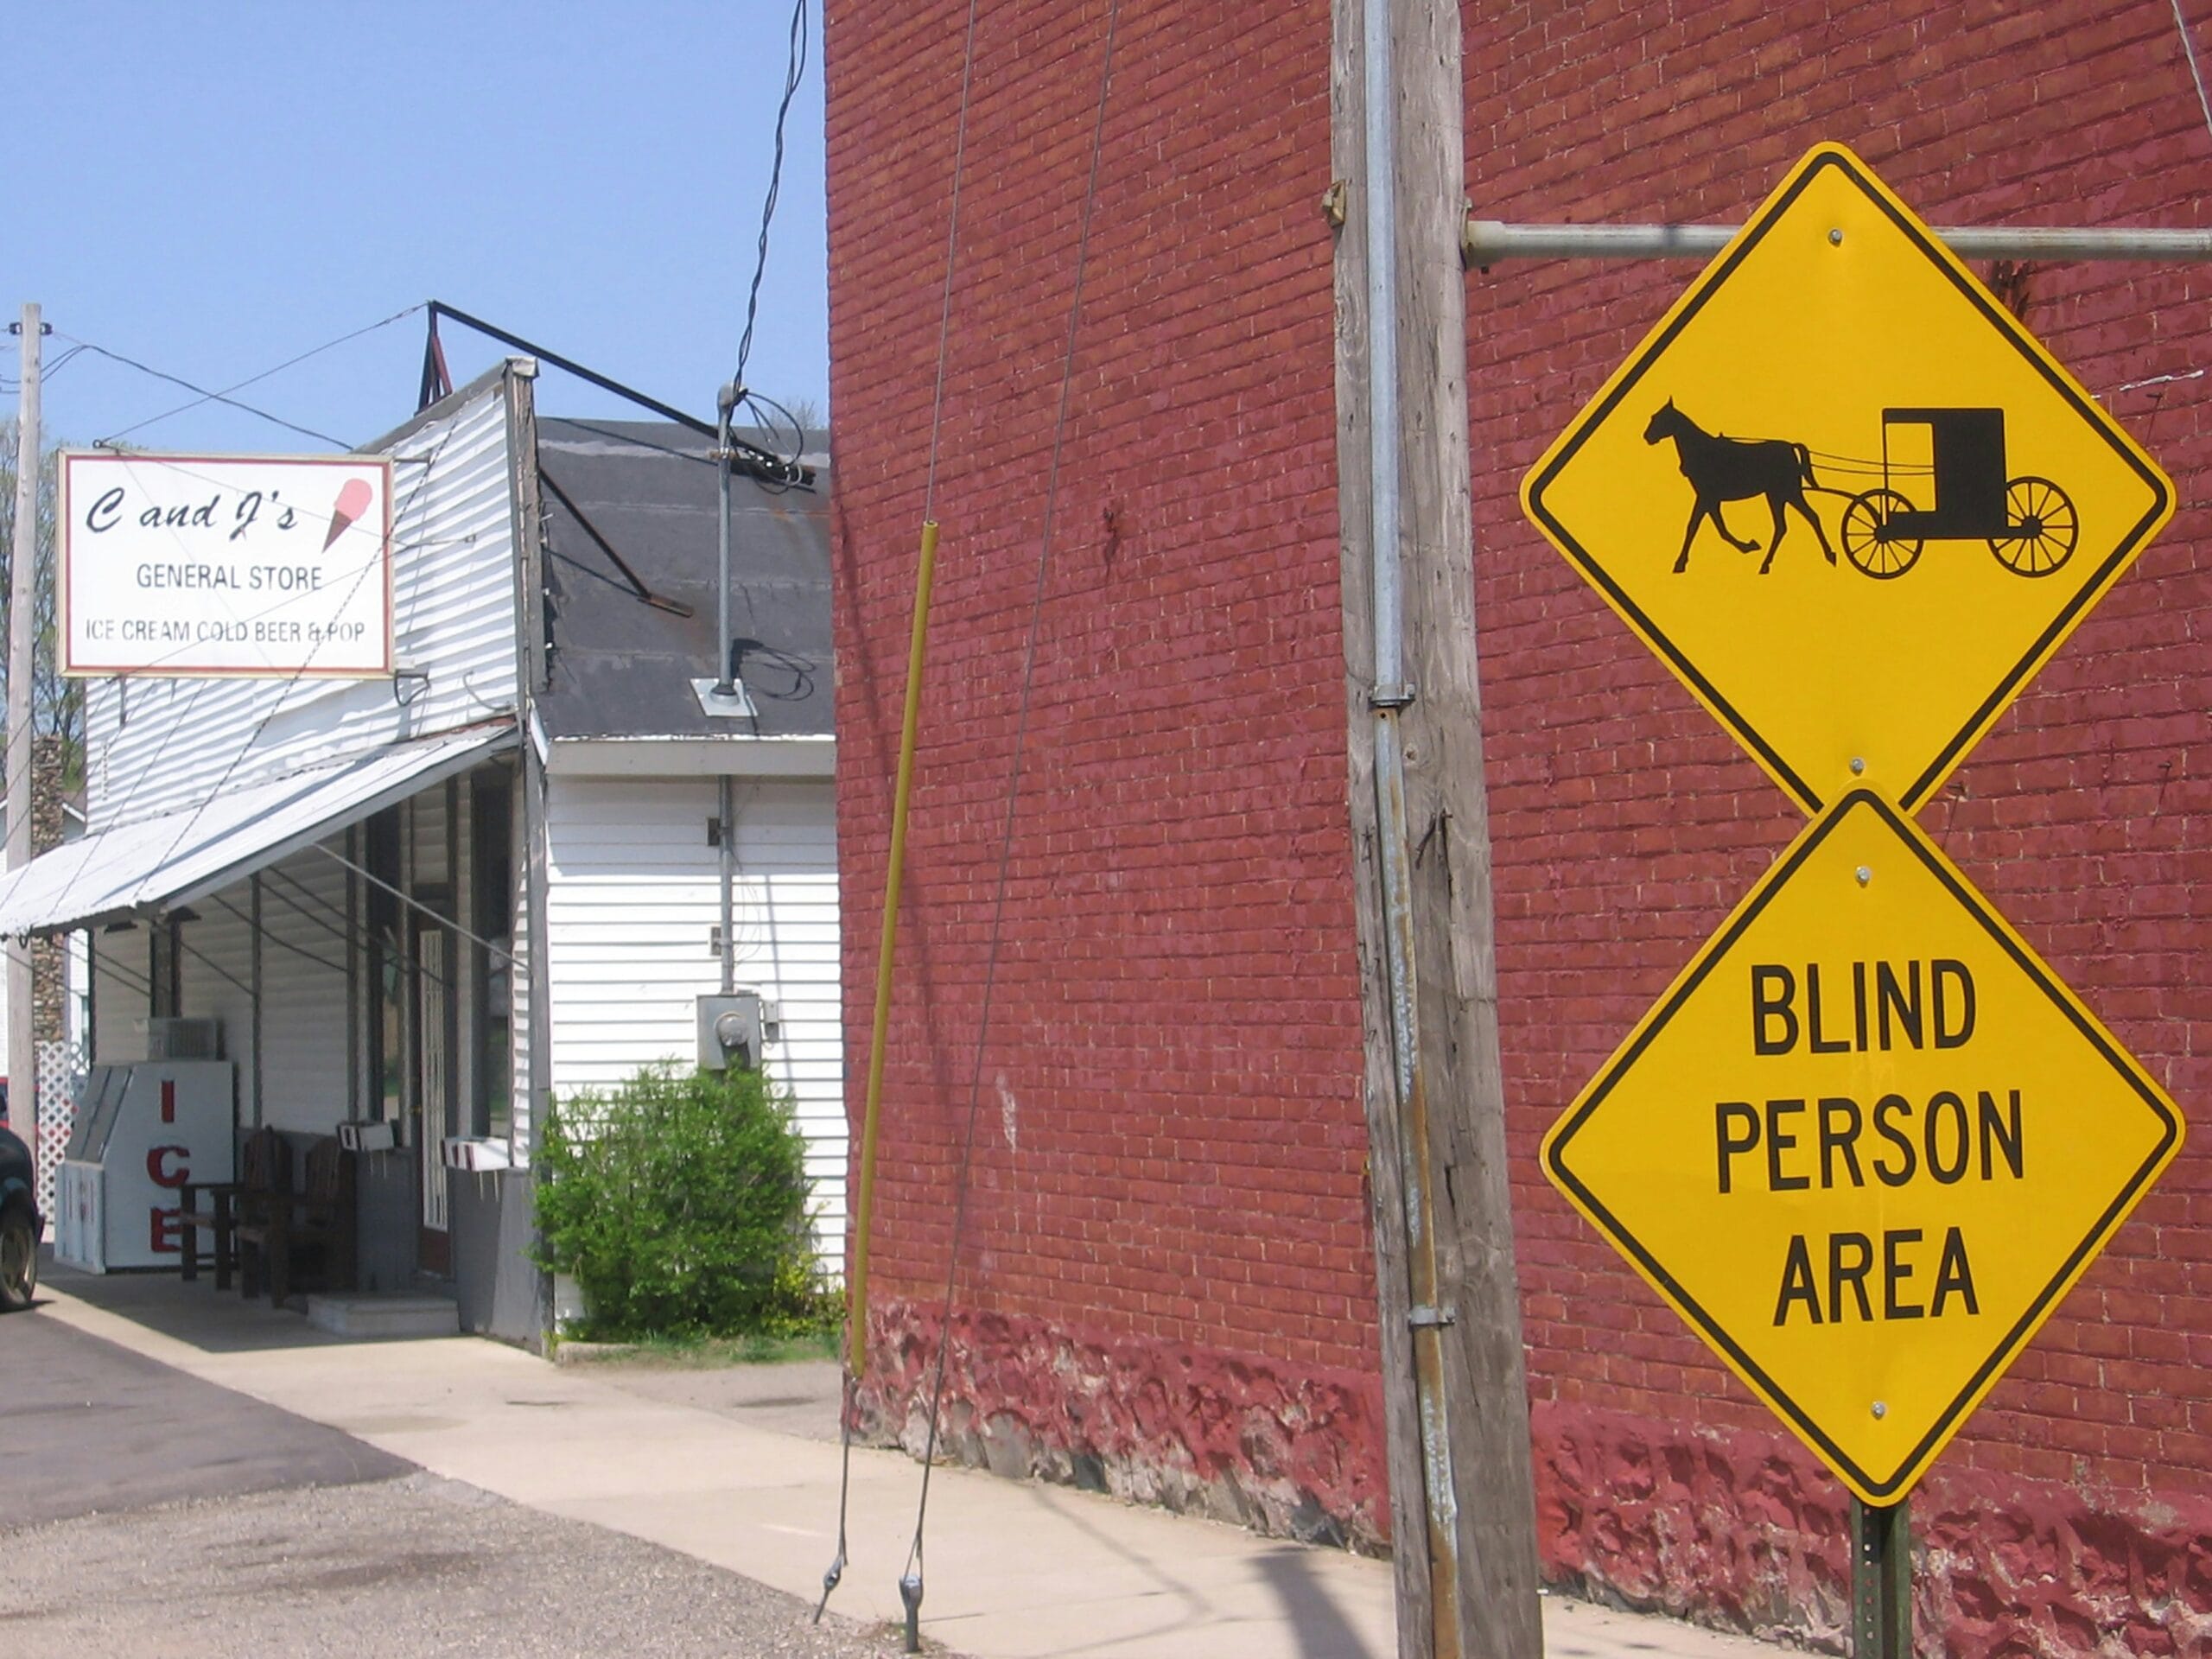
<point x="2029" y="523"/>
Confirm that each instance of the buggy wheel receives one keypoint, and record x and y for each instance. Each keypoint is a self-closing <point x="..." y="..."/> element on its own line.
<point x="1866" y="541"/>
<point x="18" y="1257"/>
<point x="2042" y="528"/>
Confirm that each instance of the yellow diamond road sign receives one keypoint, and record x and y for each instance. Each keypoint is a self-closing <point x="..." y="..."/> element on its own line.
<point x="1850" y="501"/>
<point x="1865" y="1144"/>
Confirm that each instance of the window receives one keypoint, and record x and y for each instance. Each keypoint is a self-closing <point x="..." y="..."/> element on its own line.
<point x="491" y="863"/>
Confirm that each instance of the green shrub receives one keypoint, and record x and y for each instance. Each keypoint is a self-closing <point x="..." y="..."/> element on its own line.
<point x="679" y="1204"/>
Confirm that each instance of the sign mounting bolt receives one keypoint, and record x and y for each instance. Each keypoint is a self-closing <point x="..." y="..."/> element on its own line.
<point x="1835" y="239"/>
<point x="1881" y="1409"/>
<point x="1858" y="764"/>
<point x="1864" y="875"/>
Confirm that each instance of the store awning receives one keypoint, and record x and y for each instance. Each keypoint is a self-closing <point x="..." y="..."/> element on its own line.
<point x="159" y="862"/>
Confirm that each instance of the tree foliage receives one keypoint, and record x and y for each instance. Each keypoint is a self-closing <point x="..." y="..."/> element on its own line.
<point x="57" y="705"/>
<point x="679" y="1204"/>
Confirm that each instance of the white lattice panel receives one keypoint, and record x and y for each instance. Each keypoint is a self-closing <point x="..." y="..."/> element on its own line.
<point x="60" y="1071"/>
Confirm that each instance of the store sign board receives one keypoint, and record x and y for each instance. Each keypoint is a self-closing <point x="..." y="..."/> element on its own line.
<point x="1845" y="497"/>
<point x="186" y="566"/>
<point x="1865" y="1144"/>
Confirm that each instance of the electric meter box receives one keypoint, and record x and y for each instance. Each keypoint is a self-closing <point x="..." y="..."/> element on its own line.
<point x="734" y="1028"/>
<point x="142" y="1131"/>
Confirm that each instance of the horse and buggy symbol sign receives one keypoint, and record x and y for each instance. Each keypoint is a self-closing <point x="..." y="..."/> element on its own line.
<point x="1839" y="395"/>
<point x="2029" y="523"/>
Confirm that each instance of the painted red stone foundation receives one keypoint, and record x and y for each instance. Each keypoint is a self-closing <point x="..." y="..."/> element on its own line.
<point x="1744" y="1531"/>
<point x="1286" y="1453"/>
<point x="1732" y="1528"/>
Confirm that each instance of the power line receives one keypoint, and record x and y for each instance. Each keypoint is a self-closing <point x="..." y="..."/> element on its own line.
<point x="255" y="379"/>
<point x="794" y="71"/>
<point x="46" y="371"/>
<point x="207" y="395"/>
<point x="2196" y="73"/>
<point x="772" y="415"/>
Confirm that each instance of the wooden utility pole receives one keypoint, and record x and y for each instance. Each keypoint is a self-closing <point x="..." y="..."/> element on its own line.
<point x="23" y="638"/>
<point x="1462" y="1490"/>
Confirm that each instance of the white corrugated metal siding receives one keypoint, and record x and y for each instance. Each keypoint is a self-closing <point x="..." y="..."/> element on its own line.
<point x="215" y="978"/>
<point x="118" y="996"/>
<point x="303" y="992"/>
<point x="156" y="746"/>
<point x="429" y="864"/>
<point x="634" y="899"/>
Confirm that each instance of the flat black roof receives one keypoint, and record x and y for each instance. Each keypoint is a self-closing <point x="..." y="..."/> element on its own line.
<point x="621" y="667"/>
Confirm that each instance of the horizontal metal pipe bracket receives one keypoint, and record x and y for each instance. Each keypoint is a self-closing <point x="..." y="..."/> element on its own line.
<point x="1423" y="1317"/>
<point x="1390" y="696"/>
<point x="1486" y="242"/>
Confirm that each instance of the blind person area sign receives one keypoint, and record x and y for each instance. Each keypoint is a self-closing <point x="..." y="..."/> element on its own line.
<point x="1865" y="1143"/>
<point x="185" y="566"/>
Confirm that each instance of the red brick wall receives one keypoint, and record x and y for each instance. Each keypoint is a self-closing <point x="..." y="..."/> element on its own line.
<point x="1167" y="1204"/>
<point x="1170" y="1148"/>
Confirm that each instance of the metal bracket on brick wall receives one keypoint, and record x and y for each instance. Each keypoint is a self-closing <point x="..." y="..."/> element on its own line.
<point x="1421" y="1317"/>
<point x="1486" y="242"/>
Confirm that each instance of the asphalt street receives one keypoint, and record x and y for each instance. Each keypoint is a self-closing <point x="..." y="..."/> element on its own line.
<point x="86" y="1427"/>
<point x="147" y="1512"/>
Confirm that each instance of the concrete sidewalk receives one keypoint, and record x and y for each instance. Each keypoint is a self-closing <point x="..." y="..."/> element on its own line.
<point x="1014" y="1569"/>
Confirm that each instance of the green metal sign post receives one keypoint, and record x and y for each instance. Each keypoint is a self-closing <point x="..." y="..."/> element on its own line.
<point x="1881" y="1580"/>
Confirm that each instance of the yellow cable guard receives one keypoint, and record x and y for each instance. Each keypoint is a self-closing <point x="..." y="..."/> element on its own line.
<point x="864" y="1204"/>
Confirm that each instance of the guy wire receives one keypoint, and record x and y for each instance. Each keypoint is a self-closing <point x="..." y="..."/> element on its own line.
<point x="856" y="1341"/>
<point x="1013" y="796"/>
<point x="951" y="254"/>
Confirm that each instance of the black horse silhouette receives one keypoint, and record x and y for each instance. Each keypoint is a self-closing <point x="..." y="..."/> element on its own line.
<point x="1735" y="469"/>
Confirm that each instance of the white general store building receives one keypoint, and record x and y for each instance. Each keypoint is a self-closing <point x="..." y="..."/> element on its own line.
<point x="352" y="875"/>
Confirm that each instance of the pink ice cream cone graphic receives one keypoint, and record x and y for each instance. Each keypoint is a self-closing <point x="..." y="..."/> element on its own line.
<point x="353" y="498"/>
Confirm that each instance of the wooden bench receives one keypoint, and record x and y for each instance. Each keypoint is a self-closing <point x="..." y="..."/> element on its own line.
<point x="219" y="1207"/>
<point x="316" y="1223"/>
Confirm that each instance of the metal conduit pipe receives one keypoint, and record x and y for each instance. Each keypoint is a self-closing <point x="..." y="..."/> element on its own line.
<point x="1389" y="694"/>
<point x="726" y="839"/>
<point x="725" y="405"/>
<point x="725" y="673"/>
<point x="1486" y="242"/>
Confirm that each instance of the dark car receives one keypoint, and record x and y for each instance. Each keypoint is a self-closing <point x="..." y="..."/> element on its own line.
<point x="19" y="1225"/>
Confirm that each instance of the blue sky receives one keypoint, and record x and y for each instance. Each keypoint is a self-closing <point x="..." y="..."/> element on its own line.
<point x="213" y="189"/>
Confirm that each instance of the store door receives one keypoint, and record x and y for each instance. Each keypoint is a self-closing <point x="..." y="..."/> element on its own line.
<point x="433" y="1092"/>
